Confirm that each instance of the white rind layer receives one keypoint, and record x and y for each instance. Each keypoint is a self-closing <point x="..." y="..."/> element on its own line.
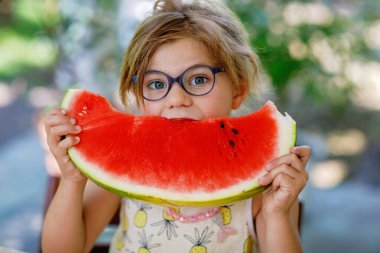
<point x="286" y="131"/>
<point x="69" y="97"/>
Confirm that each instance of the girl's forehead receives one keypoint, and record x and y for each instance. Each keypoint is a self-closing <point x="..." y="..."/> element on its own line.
<point x="180" y="54"/>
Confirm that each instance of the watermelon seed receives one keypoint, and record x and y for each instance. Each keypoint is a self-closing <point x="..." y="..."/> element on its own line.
<point x="222" y="124"/>
<point x="235" y="131"/>
<point x="232" y="143"/>
<point x="81" y="114"/>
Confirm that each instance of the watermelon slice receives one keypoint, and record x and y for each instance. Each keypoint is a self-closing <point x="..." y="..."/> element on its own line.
<point x="211" y="162"/>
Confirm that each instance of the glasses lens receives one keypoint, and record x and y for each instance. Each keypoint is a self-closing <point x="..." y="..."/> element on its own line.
<point x="155" y="85"/>
<point x="198" y="80"/>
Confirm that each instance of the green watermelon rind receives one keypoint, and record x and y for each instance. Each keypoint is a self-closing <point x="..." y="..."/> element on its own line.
<point x="287" y="129"/>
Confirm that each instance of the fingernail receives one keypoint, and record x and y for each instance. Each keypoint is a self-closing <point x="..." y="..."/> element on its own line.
<point x="77" y="128"/>
<point x="293" y="149"/>
<point x="72" y="121"/>
<point x="263" y="179"/>
<point x="267" y="166"/>
<point x="77" y="139"/>
<point x="63" y="111"/>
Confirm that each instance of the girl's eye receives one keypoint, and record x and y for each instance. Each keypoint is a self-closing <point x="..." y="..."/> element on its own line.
<point x="156" y="85"/>
<point x="198" y="80"/>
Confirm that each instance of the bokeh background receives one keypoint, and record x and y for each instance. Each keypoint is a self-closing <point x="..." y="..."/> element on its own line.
<point x="322" y="66"/>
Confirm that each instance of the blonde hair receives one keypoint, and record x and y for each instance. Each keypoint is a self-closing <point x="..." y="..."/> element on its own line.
<point x="210" y="23"/>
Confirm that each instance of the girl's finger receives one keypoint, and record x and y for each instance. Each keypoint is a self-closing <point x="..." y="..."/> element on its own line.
<point x="303" y="152"/>
<point x="67" y="143"/>
<point x="55" y="120"/>
<point x="283" y="180"/>
<point x="285" y="169"/>
<point x="58" y="111"/>
<point x="62" y="130"/>
<point x="290" y="159"/>
<point x="52" y="119"/>
<point x="285" y="188"/>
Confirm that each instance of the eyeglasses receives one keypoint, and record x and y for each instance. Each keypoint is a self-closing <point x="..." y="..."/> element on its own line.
<point x="197" y="80"/>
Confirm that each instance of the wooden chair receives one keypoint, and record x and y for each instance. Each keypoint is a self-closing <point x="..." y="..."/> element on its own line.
<point x="102" y="247"/>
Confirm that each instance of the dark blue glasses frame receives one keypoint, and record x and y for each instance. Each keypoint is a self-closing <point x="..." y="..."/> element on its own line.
<point x="179" y="80"/>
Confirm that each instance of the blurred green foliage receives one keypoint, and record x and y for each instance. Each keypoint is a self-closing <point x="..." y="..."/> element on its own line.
<point x="27" y="31"/>
<point x="306" y="47"/>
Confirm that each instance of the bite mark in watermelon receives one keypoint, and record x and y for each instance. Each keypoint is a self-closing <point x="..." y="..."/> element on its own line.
<point x="211" y="162"/>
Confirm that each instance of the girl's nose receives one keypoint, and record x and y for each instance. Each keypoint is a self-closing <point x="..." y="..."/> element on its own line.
<point x="177" y="97"/>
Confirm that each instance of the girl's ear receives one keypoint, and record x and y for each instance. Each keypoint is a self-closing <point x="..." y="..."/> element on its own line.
<point x="239" y="95"/>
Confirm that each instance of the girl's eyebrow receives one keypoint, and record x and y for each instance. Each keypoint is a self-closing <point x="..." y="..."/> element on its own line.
<point x="196" y="64"/>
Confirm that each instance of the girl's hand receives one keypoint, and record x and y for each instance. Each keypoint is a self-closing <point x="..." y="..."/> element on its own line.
<point x="288" y="177"/>
<point x="58" y="128"/>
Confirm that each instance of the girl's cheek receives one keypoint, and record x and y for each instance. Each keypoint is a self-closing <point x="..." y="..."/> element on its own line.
<point x="151" y="108"/>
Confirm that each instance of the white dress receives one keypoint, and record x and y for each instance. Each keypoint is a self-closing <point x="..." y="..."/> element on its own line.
<point x="147" y="228"/>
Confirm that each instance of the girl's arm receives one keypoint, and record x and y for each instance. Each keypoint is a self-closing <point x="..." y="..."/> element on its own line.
<point x="76" y="217"/>
<point x="79" y="210"/>
<point x="99" y="206"/>
<point x="276" y="210"/>
<point x="278" y="233"/>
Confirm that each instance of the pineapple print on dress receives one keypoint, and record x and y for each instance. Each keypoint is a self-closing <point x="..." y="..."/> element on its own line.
<point x="124" y="234"/>
<point x="141" y="216"/>
<point x="225" y="212"/>
<point x="248" y="244"/>
<point x="168" y="225"/>
<point x="222" y="221"/>
<point x="146" y="243"/>
<point x="200" y="240"/>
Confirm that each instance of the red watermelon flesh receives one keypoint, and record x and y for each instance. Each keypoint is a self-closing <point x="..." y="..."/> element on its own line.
<point x="213" y="161"/>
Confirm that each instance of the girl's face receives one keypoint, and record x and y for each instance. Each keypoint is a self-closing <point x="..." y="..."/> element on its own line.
<point x="175" y="57"/>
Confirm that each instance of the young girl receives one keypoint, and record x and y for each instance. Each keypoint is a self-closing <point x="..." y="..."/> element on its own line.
<point x="186" y="60"/>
